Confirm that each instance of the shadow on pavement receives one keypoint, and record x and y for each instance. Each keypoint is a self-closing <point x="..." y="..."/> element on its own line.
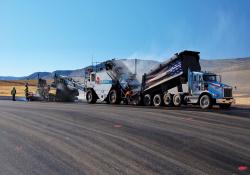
<point x="9" y="98"/>
<point x="236" y="110"/>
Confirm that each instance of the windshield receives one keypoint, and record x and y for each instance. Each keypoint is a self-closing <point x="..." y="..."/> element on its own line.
<point x="210" y="78"/>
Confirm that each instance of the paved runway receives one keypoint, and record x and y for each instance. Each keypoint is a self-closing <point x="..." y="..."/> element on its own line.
<point x="64" y="139"/>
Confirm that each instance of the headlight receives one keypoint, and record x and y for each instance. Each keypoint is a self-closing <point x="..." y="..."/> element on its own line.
<point x="215" y="95"/>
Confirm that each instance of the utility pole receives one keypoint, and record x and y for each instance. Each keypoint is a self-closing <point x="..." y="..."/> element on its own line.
<point x="135" y="66"/>
<point x="92" y="63"/>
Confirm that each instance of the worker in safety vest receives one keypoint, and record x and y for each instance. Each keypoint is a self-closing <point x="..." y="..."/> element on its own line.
<point x="26" y="91"/>
<point x="13" y="93"/>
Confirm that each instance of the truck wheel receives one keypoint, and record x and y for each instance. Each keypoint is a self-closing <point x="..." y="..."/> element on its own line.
<point x="205" y="102"/>
<point x="138" y="100"/>
<point x="114" y="97"/>
<point x="157" y="101"/>
<point x="225" y="106"/>
<point x="147" y="100"/>
<point x="168" y="99"/>
<point x="107" y="100"/>
<point x="91" y="98"/>
<point x="125" y="102"/>
<point x="177" y="100"/>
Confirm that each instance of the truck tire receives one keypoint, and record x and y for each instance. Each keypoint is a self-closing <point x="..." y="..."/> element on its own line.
<point x="147" y="101"/>
<point x="157" y="101"/>
<point x="91" y="97"/>
<point x="168" y="99"/>
<point x="177" y="100"/>
<point x="107" y="100"/>
<point x="114" y="97"/>
<point x="138" y="101"/>
<point x="225" y="106"/>
<point x="205" y="101"/>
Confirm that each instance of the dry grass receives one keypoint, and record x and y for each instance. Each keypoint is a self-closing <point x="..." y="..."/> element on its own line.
<point x="6" y="87"/>
<point x="6" y="90"/>
<point x="18" y="83"/>
<point x="242" y="100"/>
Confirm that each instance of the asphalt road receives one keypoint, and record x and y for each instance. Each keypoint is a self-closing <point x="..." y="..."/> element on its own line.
<point x="64" y="139"/>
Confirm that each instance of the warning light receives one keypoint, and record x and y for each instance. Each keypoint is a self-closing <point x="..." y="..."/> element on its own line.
<point x="97" y="80"/>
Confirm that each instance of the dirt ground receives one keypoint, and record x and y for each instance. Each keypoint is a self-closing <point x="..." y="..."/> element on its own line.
<point x="242" y="98"/>
<point x="6" y="87"/>
<point x="243" y="101"/>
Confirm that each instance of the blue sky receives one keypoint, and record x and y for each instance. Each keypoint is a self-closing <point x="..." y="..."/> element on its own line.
<point x="46" y="35"/>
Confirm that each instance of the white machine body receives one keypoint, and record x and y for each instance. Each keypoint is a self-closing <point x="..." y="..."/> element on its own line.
<point x="101" y="83"/>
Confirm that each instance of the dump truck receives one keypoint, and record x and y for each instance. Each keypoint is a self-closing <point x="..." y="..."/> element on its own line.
<point x="113" y="83"/>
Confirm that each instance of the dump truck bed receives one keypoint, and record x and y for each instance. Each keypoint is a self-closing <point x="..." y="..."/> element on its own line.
<point x="171" y="73"/>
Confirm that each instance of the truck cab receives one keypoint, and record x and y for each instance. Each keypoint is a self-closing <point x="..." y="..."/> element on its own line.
<point x="98" y="86"/>
<point x="207" y="89"/>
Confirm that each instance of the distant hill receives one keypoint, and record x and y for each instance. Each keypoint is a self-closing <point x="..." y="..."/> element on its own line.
<point x="8" y="78"/>
<point x="47" y="75"/>
<point x="235" y="72"/>
<point x="222" y="65"/>
<point x="226" y="65"/>
<point x="35" y="75"/>
<point x="142" y="65"/>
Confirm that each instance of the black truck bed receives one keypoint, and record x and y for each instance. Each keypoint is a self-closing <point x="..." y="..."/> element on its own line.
<point x="171" y="73"/>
